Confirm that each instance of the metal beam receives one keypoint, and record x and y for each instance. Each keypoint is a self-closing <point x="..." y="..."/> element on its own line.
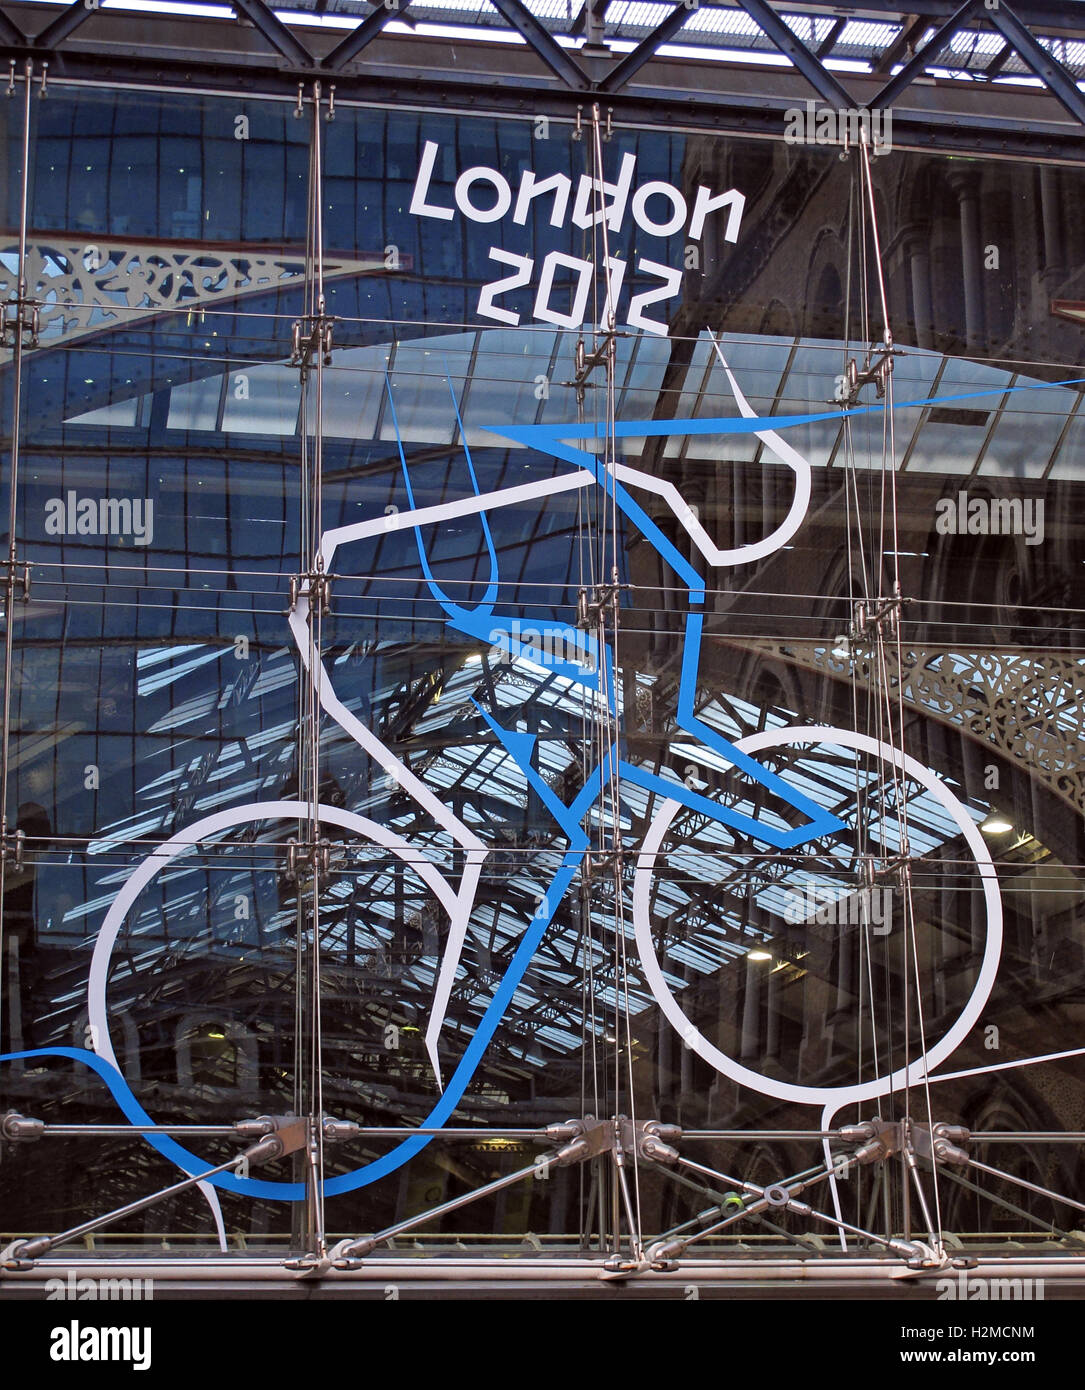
<point x="542" y="42"/>
<point x="791" y="46"/>
<point x="363" y="36"/>
<point x="981" y="119"/>
<point x="274" y="31"/>
<point x="908" y="37"/>
<point x="999" y="61"/>
<point x="1046" y="67"/>
<point x="632" y="63"/>
<point x="1037" y="14"/>
<point x="10" y="34"/>
<point x="828" y="43"/>
<point x="918" y="62"/>
<point x="598" y="8"/>
<point x="64" y="24"/>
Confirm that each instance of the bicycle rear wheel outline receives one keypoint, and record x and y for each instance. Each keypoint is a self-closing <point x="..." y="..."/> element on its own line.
<point x="144" y="873"/>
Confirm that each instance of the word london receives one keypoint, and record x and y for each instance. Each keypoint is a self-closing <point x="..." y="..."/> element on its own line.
<point x="659" y="209"/>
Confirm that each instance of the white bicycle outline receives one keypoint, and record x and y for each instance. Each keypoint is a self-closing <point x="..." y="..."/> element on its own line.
<point x="458" y="902"/>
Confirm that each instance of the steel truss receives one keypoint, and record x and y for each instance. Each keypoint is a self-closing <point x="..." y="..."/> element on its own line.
<point x="606" y="1146"/>
<point x="944" y="69"/>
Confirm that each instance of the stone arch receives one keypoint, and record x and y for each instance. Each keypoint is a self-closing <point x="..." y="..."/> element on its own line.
<point x="824" y="313"/>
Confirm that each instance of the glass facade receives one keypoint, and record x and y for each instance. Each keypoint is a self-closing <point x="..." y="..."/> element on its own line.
<point x="515" y="625"/>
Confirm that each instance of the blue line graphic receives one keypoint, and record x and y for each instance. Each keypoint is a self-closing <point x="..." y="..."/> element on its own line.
<point x="479" y="623"/>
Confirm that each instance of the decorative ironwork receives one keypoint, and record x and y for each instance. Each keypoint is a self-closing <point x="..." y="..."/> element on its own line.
<point x="1028" y="703"/>
<point x="86" y="286"/>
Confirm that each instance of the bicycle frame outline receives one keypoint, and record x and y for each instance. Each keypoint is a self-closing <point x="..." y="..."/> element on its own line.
<point x="102" y="1058"/>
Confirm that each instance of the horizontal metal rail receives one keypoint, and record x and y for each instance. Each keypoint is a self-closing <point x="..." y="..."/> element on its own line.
<point x="730" y="1136"/>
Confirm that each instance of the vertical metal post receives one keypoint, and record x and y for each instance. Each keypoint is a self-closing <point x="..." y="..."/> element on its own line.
<point x="15" y="1003"/>
<point x="13" y="496"/>
<point x="314" y="1172"/>
<point x="311" y="345"/>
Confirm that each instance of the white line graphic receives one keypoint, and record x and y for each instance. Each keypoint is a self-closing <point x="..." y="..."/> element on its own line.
<point x="836" y="1096"/>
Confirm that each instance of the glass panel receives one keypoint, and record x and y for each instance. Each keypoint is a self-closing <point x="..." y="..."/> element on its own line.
<point x="417" y="719"/>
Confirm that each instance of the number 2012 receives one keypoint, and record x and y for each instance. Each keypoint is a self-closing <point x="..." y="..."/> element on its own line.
<point x="544" y="312"/>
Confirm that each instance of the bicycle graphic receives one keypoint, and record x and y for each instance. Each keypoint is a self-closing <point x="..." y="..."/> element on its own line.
<point x="591" y="666"/>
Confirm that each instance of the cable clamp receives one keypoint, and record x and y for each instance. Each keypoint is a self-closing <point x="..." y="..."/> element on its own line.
<point x="590" y="611"/>
<point x="307" y="854"/>
<point x="874" y="617"/>
<point x="21" y="322"/>
<point x="311" y="337"/>
<point x="11" y="848"/>
<point x="876" y="370"/>
<point x="19" y="573"/>
<point x="315" y="586"/>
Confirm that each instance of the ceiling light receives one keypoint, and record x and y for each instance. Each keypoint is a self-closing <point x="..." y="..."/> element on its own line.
<point x="758" y="955"/>
<point x="996" y="824"/>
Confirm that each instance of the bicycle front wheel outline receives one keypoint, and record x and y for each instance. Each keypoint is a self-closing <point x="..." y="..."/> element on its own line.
<point x="912" y="1071"/>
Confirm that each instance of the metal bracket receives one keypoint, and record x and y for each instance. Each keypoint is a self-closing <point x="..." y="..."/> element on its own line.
<point x="316" y="586"/>
<point x="18" y="1128"/>
<point x="11" y="848"/>
<point x="873" y="617"/>
<point x="311" y="337"/>
<point x="876" y="370"/>
<point x="588" y="1139"/>
<point x="307" y="854"/>
<point x="649" y="1139"/>
<point x="19" y="574"/>
<point x="589" y="611"/>
<point x="872" y="871"/>
<point x="599" y="862"/>
<point x="584" y="363"/>
<point x="944" y="1143"/>
<point x="878" y="1139"/>
<point x="21" y="322"/>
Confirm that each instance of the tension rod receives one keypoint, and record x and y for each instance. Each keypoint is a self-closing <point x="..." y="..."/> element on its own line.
<point x="347" y="1251"/>
<point x="285" y="1140"/>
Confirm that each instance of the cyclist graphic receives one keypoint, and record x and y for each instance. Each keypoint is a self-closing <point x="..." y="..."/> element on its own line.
<point x="586" y="661"/>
